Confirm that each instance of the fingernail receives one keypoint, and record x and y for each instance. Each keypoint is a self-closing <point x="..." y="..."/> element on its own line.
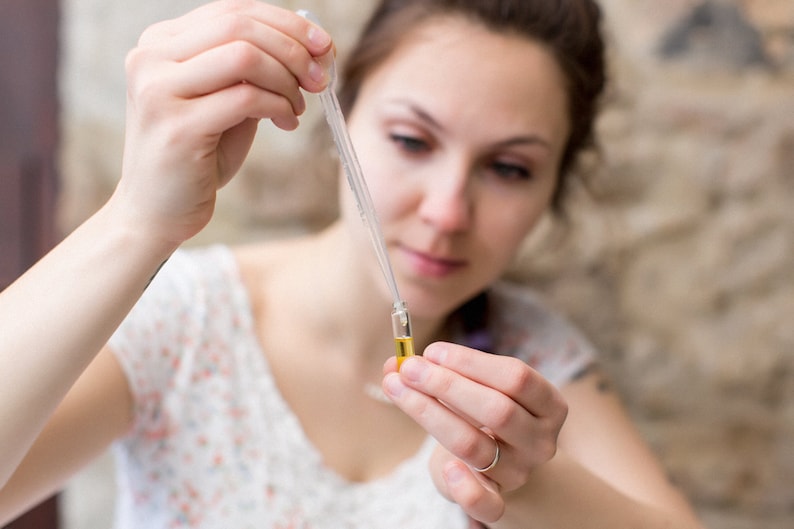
<point x="414" y="369"/>
<point x="317" y="72"/>
<point x="436" y="352"/>
<point x="453" y="473"/>
<point x="393" y="386"/>
<point x="300" y="105"/>
<point x="318" y="37"/>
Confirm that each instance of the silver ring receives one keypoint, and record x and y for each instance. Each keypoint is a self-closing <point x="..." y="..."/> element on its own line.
<point x="496" y="456"/>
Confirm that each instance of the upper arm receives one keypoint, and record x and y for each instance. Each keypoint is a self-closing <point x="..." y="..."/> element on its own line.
<point x="600" y="436"/>
<point x="97" y="410"/>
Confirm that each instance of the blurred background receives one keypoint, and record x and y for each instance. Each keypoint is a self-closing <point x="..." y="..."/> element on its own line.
<point x="678" y="260"/>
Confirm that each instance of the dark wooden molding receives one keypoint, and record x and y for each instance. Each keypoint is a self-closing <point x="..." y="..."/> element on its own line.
<point x="28" y="146"/>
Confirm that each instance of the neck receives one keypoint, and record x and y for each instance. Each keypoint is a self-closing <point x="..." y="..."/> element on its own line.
<point x="349" y="300"/>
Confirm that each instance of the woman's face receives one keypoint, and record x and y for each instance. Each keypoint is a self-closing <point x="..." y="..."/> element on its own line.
<point x="459" y="134"/>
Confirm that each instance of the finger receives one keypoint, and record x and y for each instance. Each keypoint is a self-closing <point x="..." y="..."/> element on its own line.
<point x="390" y="365"/>
<point x="295" y="42"/>
<point x="233" y="147"/>
<point x="480" y="405"/>
<point x="474" y="495"/>
<point x="291" y="53"/>
<point x="466" y="441"/>
<point x="510" y="376"/>
<point x="157" y="88"/>
<point x="225" y="109"/>
<point x="203" y="121"/>
<point x="286" y="21"/>
<point x="524" y="440"/>
<point x="232" y="64"/>
<point x="166" y="29"/>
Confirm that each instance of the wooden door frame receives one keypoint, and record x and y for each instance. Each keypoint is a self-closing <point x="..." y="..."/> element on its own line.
<point x="29" y="34"/>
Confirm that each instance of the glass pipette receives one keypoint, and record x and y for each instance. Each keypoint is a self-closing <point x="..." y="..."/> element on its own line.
<point x="401" y="321"/>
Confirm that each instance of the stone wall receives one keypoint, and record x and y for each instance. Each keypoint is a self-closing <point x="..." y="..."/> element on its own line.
<point x="679" y="258"/>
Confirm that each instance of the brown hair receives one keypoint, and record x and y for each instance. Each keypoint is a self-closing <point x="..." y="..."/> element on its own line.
<point x="569" y="29"/>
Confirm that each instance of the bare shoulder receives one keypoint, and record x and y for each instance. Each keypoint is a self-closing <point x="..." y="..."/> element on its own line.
<point x="591" y="377"/>
<point x="257" y="264"/>
<point x="600" y="434"/>
<point x="260" y="260"/>
<point x="252" y="258"/>
<point x="595" y="407"/>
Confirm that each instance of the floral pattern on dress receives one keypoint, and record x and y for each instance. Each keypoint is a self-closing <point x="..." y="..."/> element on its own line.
<point x="214" y="444"/>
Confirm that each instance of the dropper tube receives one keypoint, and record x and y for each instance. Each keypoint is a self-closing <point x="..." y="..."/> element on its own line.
<point x="401" y="328"/>
<point x="401" y="320"/>
<point x="355" y="178"/>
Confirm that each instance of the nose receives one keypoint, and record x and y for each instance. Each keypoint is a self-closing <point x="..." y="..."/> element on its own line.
<point x="447" y="202"/>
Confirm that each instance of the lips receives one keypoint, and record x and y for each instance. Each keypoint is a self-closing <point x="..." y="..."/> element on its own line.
<point x="429" y="265"/>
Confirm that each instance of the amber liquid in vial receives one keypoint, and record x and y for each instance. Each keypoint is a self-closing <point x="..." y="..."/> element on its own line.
<point x="404" y="347"/>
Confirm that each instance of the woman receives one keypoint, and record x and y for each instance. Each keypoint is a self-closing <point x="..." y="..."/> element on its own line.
<point x="236" y="391"/>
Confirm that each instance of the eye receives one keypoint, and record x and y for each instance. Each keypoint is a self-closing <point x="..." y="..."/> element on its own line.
<point x="410" y="144"/>
<point x="510" y="171"/>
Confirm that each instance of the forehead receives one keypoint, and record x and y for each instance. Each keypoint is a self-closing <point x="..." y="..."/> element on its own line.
<point x="460" y="69"/>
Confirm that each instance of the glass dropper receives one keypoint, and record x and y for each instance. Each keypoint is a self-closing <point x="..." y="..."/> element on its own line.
<point x="401" y="321"/>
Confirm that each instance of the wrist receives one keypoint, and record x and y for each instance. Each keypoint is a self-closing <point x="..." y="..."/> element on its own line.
<point x="154" y="241"/>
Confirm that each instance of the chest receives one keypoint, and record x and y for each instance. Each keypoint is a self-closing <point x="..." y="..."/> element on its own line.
<point x="306" y="356"/>
<point x="358" y="437"/>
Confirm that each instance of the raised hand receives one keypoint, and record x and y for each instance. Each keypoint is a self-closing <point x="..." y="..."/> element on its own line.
<point x="495" y="418"/>
<point x="197" y="86"/>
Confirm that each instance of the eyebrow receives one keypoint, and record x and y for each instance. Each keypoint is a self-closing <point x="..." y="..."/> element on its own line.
<point x="529" y="139"/>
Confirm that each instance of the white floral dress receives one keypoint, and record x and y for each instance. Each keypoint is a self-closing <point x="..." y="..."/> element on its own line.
<point x="214" y="444"/>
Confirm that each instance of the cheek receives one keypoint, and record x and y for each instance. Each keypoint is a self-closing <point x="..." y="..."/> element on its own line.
<point x="392" y="193"/>
<point x="507" y="227"/>
<point x="390" y="200"/>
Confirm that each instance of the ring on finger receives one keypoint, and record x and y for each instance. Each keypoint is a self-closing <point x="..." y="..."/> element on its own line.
<point x="496" y="456"/>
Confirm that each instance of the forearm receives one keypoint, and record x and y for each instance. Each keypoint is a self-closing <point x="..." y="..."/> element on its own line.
<point x="562" y="493"/>
<point x="57" y="316"/>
